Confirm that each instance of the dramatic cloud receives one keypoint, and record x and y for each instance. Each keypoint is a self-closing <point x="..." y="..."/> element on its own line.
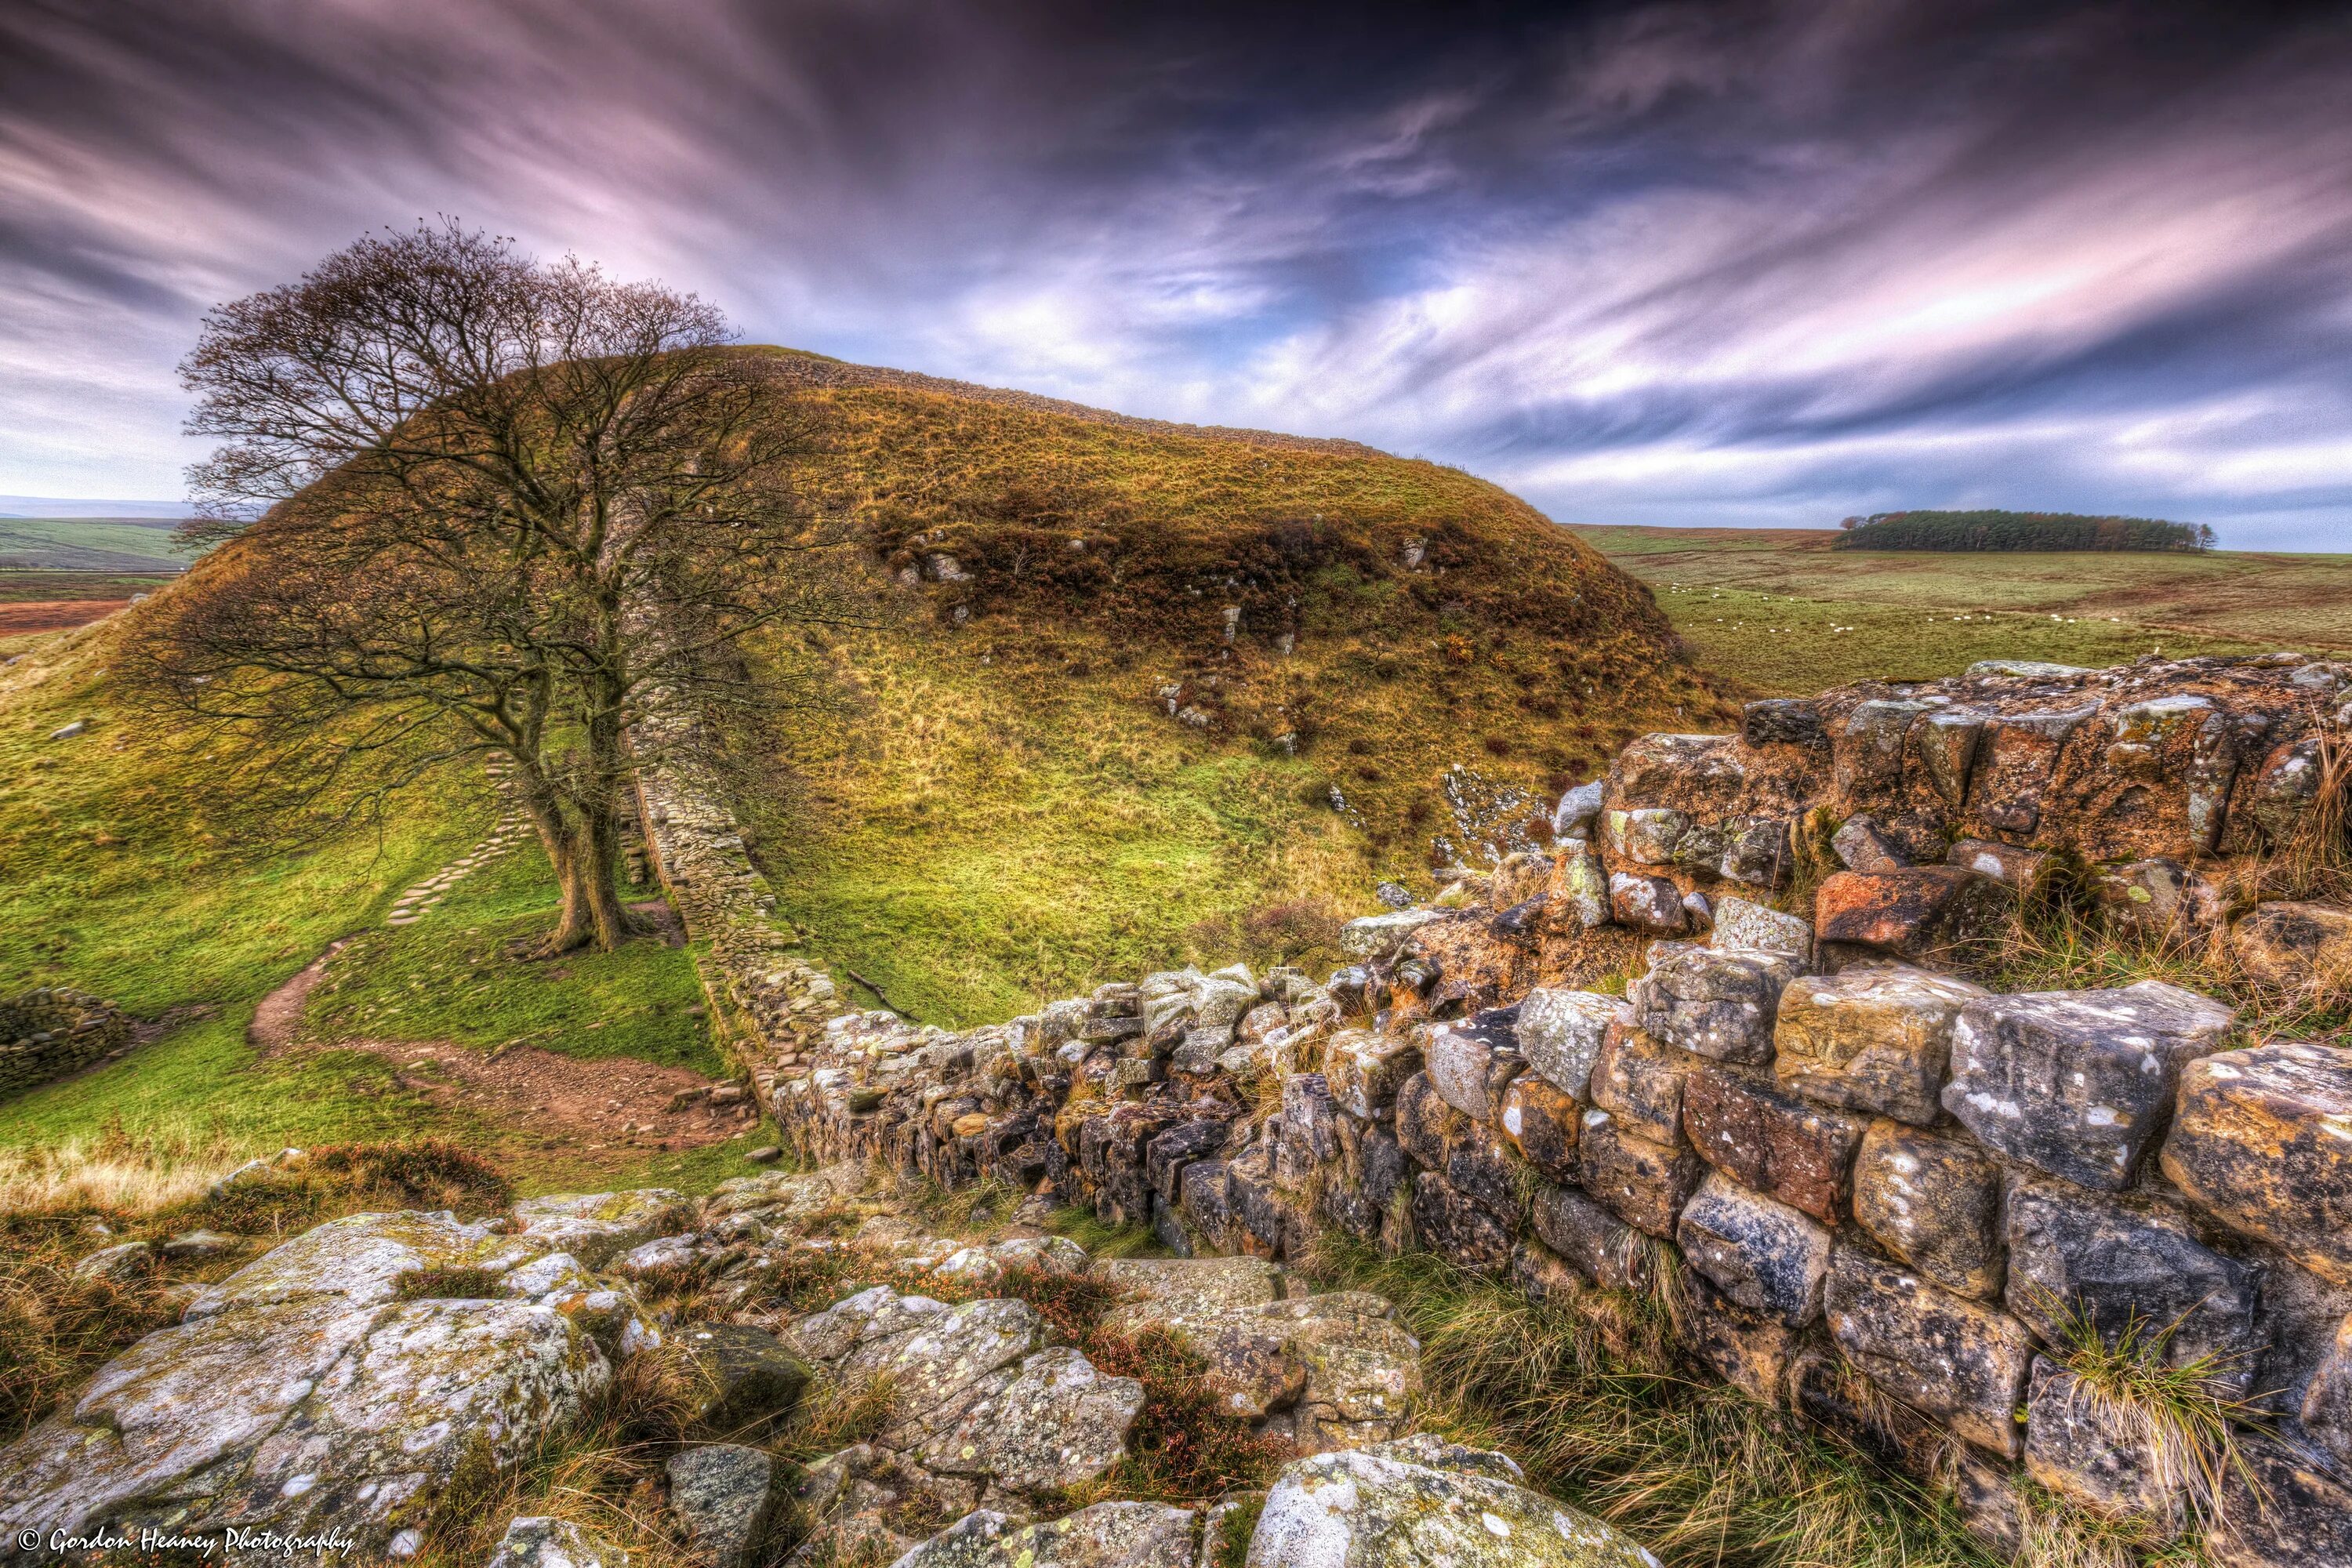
<point x="1766" y="263"/>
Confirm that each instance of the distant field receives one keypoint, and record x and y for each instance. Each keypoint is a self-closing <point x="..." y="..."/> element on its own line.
<point x="140" y="545"/>
<point x="1779" y="609"/>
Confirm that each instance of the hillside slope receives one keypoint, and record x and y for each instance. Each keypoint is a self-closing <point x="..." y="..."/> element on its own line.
<point x="1124" y="667"/>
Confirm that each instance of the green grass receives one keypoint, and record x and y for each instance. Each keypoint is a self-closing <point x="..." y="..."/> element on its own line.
<point x="89" y="544"/>
<point x="452" y="976"/>
<point x="1760" y="606"/>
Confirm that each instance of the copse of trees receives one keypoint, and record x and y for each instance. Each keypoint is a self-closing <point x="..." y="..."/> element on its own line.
<point x="2018" y="530"/>
<point x="476" y="505"/>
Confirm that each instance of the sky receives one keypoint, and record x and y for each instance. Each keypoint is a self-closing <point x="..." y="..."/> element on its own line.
<point x="1742" y="264"/>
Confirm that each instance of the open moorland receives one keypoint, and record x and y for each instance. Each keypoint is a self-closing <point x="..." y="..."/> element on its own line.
<point x="1782" y="611"/>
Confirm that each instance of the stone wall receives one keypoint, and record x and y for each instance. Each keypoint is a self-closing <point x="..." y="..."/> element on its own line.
<point x="1879" y="1193"/>
<point x="49" y="1032"/>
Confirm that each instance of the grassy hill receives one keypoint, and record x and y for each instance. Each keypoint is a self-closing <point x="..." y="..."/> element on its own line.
<point x="1057" y="765"/>
<point x="129" y="544"/>
<point x="1782" y="610"/>
<point x="999" y="803"/>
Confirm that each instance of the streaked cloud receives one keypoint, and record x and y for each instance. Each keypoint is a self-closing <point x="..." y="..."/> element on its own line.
<point x="1666" y="263"/>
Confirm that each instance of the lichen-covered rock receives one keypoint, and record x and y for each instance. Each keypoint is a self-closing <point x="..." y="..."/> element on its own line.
<point x="1860" y="845"/>
<point x="1749" y="1349"/>
<point x="1639" y="1080"/>
<point x="1764" y="1256"/>
<point x="1604" y="1248"/>
<point x="1718" y="1004"/>
<point x="361" y="1258"/>
<point x="2124" y="1268"/>
<point x="2294" y="947"/>
<point x="742" y="1376"/>
<point x="1744" y="925"/>
<point x="1561" y="1033"/>
<point x="1457" y="1228"/>
<point x="2259" y="1143"/>
<point x="1425" y="1125"/>
<point x="1773" y="1142"/>
<point x="1472" y="1060"/>
<point x="1643" y="1183"/>
<point x="537" y="1540"/>
<point x="595" y="1227"/>
<point x="1364" y="1071"/>
<point x="1056" y="1423"/>
<point x="2280" y="1508"/>
<point x="1915" y="912"/>
<point x="2078" y="1083"/>
<point x="1646" y="903"/>
<point x="1875" y="1037"/>
<point x="2156" y="898"/>
<point x="1934" y="1203"/>
<point x="1581" y="886"/>
<point x="1422" y="1501"/>
<point x="2022" y="870"/>
<point x="2079" y="1447"/>
<point x="938" y="1359"/>
<point x="1173" y="1288"/>
<point x="1107" y="1535"/>
<point x="1949" y="1357"/>
<point x="1377" y="939"/>
<point x="725" y="1498"/>
<point x="1541" y="1123"/>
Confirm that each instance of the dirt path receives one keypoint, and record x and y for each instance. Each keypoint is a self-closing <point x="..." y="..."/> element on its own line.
<point x="538" y="1098"/>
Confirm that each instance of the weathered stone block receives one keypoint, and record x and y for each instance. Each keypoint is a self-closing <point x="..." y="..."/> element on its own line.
<point x="1782" y="720"/>
<point x="1770" y="1141"/>
<point x="1561" y="1033"/>
<point x="1742" y="923"/>
<point x="1541" y="1123"/>
<point x="1456" y="1228"/>
<point x="1756" y="851"/>
<point x="1935" y="1202"/>
<point x="1481" y="1167"/>
<point x="1861" y="846"/>
<point x="1763" y="1255"/>
<point x="1165" y="1157"/>
<point x="1720" y="1004"/>
<point x="1604" y="1248"/>
<point x="2079" y="1450"/>
<point x="1471" y="1060"/>
<point x="1915" y="912"/>
<point x="2022" y="870"/>
<point x="1643" y="1183"/>
<point x="1645" y="836"/>
<point x="2283" y="1509"/>
<point x="1749" y="1349"/>
<point x="1379" y="939"/>
<point x="2260" y="1144"/>
<point x="1425" y="1125"/>
<point x="2327" y="1400"/>
<point x="1943" y="747"/>
<point x="1206" y="1201"/>
<point x="2124" y="1270"/>
<point x="1876" y="1037"/>
<point x="2078" y="1083"/>
<point x="1833" y="1391"/>
<point x="1639" y="1080"/>
<point x="2294" y="947"/>
<point x="1949" y="1357"/>
<point x="1365" y="1070"/>
<point x="2156" y="898"/>
<point x="1646" y="903"/>
<point x="2016" y="760"/>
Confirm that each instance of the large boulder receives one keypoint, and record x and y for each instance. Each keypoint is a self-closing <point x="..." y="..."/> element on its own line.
<point x="1876" y="1037"/>
<point x="1425" y="1501"/>
<point x="304" y="1415"/>
<point x="2078" y="1083"/>
<point x="360" y="1258"/>
<point x="2259" y="1143"/>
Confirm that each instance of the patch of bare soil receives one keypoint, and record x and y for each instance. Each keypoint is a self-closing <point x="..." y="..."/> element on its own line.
<point x="52" y="615"/>
<point x="538" y="1098"/>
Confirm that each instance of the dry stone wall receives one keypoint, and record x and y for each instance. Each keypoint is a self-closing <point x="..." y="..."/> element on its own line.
<point x="49" y="1032"/>
<point x="1883" y="1194"/>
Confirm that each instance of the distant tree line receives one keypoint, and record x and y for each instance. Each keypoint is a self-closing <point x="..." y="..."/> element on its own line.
<point x="2018" y="530"/>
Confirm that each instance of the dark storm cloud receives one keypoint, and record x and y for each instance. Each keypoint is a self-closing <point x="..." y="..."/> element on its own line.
<point x="1767" y="262"/>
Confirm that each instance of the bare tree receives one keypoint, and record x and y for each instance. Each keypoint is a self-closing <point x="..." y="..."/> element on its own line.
<point x="476" y="505"/>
